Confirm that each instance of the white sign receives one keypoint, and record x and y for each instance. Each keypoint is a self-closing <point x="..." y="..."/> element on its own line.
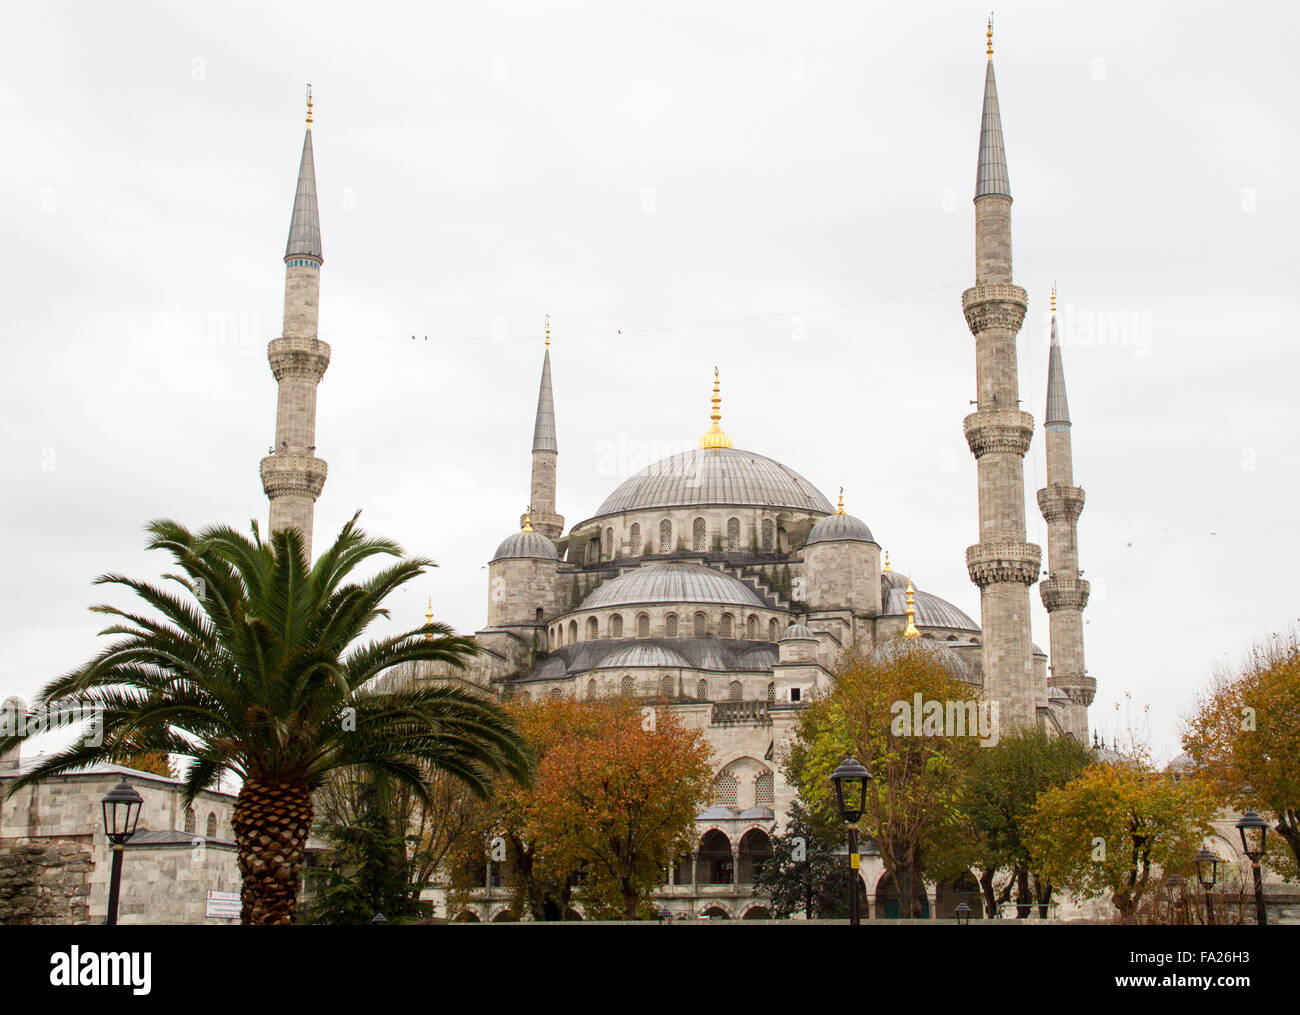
<point x="224" y="905"/>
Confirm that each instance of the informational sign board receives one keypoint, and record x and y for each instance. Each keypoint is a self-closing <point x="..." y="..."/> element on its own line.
<point x="223" y="905"/>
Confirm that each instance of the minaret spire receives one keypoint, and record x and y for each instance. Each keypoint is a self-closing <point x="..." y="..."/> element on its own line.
<point x="546" y="452"/>
<point x="1064" y="591"/>
<point x="714" y="437"/>
<point x="1003" y="564"/>
<point x="292" y="475"/>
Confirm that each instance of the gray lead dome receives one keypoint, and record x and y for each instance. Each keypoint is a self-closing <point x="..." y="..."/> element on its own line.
<point x="673" y="583"/>
<point x="836" y="527"/>
<point x="526" y="544"/>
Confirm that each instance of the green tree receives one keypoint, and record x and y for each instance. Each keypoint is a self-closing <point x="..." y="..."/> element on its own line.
<point x="255" y="667"/>
<point x="805" y="875"/>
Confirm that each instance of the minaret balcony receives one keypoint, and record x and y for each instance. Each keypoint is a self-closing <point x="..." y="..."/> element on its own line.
<point x="295" y="356"/>
<point x="995" y="305"/>
<point x="1060" y="501"/>
<point x="1080" y="688"/>
<point x="998" y="431"/>
<point x="1003" y="562"/>
<point x="1063" y="593"/>
<point x="292" y="474"/>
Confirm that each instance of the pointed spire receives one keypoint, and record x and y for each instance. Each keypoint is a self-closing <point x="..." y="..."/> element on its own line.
<point x="714" y="437"/>
<point x="544" y="428"/>
<point x="304" y="227"/>
<point x="839" y="508"/>
<point x="991" y="173"/>
<point x="889" y="568"/>
<point x="428" y="619"/>
<point x="1058" y="409"/>
<point x="528" y="520"/>
<point x="911" y="631"/>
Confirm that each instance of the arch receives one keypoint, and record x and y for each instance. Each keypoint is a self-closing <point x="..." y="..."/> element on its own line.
<point x="725" y="629"/>
<point x="782" y="540"/>
<point x="666" y="686"/>
<point x="751" y="627"/>
<point x="726" y="790"/>
<point x="771" y="691"/>
<point x="733" y="534"/>
<point x="887" y="907"/>
<point x="212" y="825"/>
<point x="627" y="685"/>
<point x="466" y="916"/>
<point x="665" y="536"/>
<point x="773" y="630"/>
<point x="701" y="624"/>
<point x="593" y="629"/>
<point x="769" y="535"/>
<point x="591" y="689"/>
<point x="949" y="894"/>
<point x="702" y="689"/>
<point x="670" y="625"/>
<point x="735" y="691"/>
<point x="715" y="864"/>
<point x="699" y="535"/>
<point x="616" y="626"/>
<point x="609" y="543"/>
<point x="755" y="850"/>
<point x="682" y="869"/>
<point x="554" y="694"/>
<point x="717" y="911"/>
<point x="635" y="539"/>
<point x="191" y="820"/>
<point x="756" y="912"/>
<point x="504" y="917"/>
<point x="573" y="632"/>
<point x="540" y="614"/>
<point x="643" y="625"/>
<point x="765" y="790"/>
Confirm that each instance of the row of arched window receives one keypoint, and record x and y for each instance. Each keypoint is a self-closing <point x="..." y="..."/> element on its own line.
<point x="770" y="537"/>
<point x="627" y="687"/>
<point x="728" y="627"/>
<point x="192" y="822"/>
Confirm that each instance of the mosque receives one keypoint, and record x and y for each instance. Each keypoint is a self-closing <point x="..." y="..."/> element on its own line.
<point x="723" y="585"/>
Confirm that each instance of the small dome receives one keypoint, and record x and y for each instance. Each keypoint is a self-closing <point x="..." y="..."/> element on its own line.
<point x="840" y="526"/>
<point x="798" y="632"/>
<point x="945" y="656"/>
<point x="526" y="544"/>
<point x="644" y="655"/>
<point x="673" y="583"/>
<point x="931" y="611"/>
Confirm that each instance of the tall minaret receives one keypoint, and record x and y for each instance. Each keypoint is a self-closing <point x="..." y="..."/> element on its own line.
<point x="546" y="452"/>
<point x="292" y="475"/>
<point x="1002" y="563"/>
<point x="1064" y="592"/>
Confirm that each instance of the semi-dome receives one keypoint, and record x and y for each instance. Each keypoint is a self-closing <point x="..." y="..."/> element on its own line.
<point x="644" y="655"/>
<point x="840" y="526"/>
<point x="896" y="648"/>
<point x="931" y="611"/>
<point x="715" y="476"/>
<point x="526" y="544"/>
<point x="672" y="583"/>
<point x="798" y="632"/>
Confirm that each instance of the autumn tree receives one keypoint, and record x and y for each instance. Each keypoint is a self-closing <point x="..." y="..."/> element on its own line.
<point x="1246" y="733"/>
<point x="805" y="873"/>
<point x="912" y="801"/>
<point x="1117" y="830"/>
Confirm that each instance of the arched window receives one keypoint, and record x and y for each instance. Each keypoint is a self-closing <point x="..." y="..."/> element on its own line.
<point x="764" y="793"/>
<point x="702" y="690"/>
<point x="755" y="850"/>
<point x="783" y="540"/>
<point x="593" y="629"/>
<point x="573" y="632"/>
<point x="523" y="696"/>
<point x="773" y="630"/>
<point x="670" y="625"/>
<point x="725" y="790"/>
<point x="771" y="692"/>
<point x="733" y="534"/>
<point x="666" y="686"/>
<point x="609" y="544"/>
<point x="191" y="820"/>
<point x="636" y="539"/>
<point x="714" y="864"/>
<point x="726" y="630"/>
<point x="540" y="614"/>
<point x="665" y="536"/>
<point x="626" y="686"/>
<point x="555" y="694"/>
<point x="701" y="625"/>
<point x="643" y="625"/>
<point x="616" y="626"/>
<point x="735" y="690"/>
<point x="751" y="627"/>
<point x="212" y="826"/>
<point x="769" y="535"/>
<point x="699" y="535"/>
<point x="591" y="689"/>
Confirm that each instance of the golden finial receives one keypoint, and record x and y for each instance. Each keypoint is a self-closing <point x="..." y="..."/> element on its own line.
<point x="714" y="437"/>
<point x="428" y="619"/>
<point x="548" y="331"/>
<point x="889" y="568"/>
<point x="1053" y="299"/>
<point x="309" y="105"/>
<point x="990" y="35"/>
<point x="528" y="520"/>
<point x="839" y="508"/>
<point x="911" y="631"/>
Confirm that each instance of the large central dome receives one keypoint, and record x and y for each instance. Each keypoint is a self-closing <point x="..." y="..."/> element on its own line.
<point x="721" y="476"/>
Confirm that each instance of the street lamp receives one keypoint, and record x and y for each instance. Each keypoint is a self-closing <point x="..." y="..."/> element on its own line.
<point x="665" y="916"/>
<point x="121" y="812"/>
<point x="850" y="781"/>
<point x="963" y="915"/>
<point x="1207" y="872"/>
<point x="378" y="920"/>
<point x="1254" y="835"/>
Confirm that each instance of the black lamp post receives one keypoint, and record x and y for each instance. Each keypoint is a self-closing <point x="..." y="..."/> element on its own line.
<point x="1174" y="884"/>
<point x="665" y="916"/>
<point x="850" y="781"/>
<point x="1207" y="872"/>
<point x="1254" y="835"/>
<point x="963" y="915"/>
<point x="121" y="812"/>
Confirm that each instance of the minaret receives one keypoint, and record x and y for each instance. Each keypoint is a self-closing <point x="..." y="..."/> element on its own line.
<point x="1002" y="563"/>
<point x="1064" y="592"/>
<point x="292" y="475"/>
<point x="546" y="452"/>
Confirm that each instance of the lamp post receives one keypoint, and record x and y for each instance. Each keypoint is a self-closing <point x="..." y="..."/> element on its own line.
<point x="1207" y="872"/>
<point x="963" y="914"/>
<point x="121" y="812"/>
<point x="1174" y="884"/>
<point x="665" y="916"/>
<point x="1254" y="835"/>
<point x="850" y="781"/>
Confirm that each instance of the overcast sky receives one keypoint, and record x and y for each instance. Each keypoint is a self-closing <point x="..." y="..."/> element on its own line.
<point x="780" y="189"/>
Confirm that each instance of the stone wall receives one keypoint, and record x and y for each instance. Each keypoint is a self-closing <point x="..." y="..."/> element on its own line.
<point x="45" y="881"/>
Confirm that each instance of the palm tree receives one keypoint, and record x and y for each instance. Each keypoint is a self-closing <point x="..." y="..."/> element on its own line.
<point x="257" y="669"/>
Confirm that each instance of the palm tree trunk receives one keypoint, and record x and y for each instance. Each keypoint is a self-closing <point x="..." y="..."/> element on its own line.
<point x="271" y="823"/>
